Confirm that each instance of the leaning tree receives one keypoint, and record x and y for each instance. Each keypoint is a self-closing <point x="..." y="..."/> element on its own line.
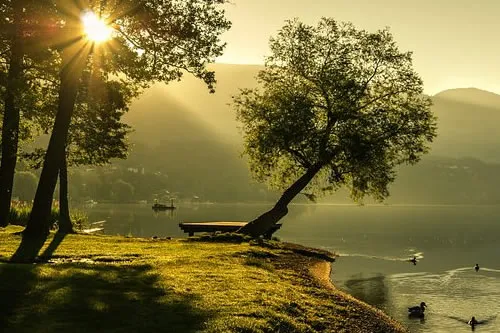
<point x="335" y="107"/>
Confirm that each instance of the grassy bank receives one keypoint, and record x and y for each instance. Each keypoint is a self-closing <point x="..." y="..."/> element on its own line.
<point x="117" y="284"/>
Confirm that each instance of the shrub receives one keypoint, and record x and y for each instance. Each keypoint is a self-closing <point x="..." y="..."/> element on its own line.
<point x="20" y="213"/>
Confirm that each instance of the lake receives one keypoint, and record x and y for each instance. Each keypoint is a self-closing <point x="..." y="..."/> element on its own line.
<point x="374" y="244"/>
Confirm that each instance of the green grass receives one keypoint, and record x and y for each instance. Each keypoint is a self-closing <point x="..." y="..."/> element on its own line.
<point x="117" y="284"/>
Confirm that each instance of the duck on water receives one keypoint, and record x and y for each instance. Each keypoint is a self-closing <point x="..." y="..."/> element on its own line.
<point x="417" y="311"/>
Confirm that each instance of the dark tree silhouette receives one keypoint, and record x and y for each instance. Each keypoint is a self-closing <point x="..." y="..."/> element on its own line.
<point x="153" y="40"/>
<point x="24" y="24"/>
<point x="11" y="116"/>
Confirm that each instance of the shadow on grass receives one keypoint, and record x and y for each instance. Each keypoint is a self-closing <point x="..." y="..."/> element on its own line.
<point x="93" y="298"/>
<point x="54" y="244"/>
<point x="28" y="249"/>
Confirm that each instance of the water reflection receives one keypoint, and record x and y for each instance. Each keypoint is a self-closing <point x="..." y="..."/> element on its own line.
<point x="372" y="290"/>
<point x="168" y="213"/>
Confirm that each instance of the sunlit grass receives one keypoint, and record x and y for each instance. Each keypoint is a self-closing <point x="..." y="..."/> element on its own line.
<point x="117" y="284"/>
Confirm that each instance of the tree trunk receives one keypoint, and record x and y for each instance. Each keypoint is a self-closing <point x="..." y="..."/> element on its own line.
<point x="264" y="223"/>
<point x="11" y="117"/>
<point x="74" y="60"/>
<point x="65" y="225"/>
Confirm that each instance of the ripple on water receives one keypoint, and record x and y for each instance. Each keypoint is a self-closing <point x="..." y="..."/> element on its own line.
<point x="452" y="298"/>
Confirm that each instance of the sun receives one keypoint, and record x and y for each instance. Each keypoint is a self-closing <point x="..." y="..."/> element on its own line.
<point x="95" y="28"/>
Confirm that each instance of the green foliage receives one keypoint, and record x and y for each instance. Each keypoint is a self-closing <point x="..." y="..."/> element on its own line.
<point x="20" y="213"/>
<point x="173" y="36"/>
<point x="79" y="219"/>
<point x="27" y="23"/>
<point x="24" y="185"/>
<point x="336" y="98"/>
<point x="97" y="134"/>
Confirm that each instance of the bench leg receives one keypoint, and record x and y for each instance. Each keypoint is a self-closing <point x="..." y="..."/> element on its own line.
<point x="191" y="234"/>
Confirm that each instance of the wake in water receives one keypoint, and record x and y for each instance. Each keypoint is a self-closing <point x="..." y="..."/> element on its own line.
<point x="474" y="321"/>
<point x="450" y="274"/>
<point x="490" y="270"/>
<point x="470" y="269"/>
<point x="417" y="256"/>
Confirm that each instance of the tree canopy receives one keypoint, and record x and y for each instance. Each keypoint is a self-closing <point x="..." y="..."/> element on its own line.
<point x="151" y="40"/>
<point x="335" y="106"/>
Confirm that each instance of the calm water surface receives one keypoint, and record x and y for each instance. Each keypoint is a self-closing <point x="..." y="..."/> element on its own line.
<point x="374" y="243"/>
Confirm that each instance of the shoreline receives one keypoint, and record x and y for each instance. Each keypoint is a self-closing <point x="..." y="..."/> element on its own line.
<point x="231" y="285"/>
<point x="361" y="316"/>
<point x="321" y="272"/>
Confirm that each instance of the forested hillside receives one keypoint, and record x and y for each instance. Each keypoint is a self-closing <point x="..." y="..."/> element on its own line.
<point x="186" y="144"/>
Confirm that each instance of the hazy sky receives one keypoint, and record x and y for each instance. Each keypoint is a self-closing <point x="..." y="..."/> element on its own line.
<point x="456" y="43"/>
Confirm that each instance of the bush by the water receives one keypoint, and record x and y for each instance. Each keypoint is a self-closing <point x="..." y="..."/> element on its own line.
<point x="20" y="213"/>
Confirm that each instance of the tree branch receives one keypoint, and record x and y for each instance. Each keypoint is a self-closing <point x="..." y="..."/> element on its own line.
<point x="392" y="93"/>
<point x="371" y="77"/>
<point x="299" y="157"/>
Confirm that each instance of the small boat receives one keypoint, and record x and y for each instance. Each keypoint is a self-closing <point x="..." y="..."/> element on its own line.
<point x="159" y="206"/>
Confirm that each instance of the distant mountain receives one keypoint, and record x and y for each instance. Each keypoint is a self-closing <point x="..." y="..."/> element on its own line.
<point x="190" y="135"/>
<point x="468" y="121"/>
<point x="191" y="139"/>
<point x="443" y="180"/>
<point x="190" y="99"/>
<point x="472" y="96"/>
<point x="186" y="141"/>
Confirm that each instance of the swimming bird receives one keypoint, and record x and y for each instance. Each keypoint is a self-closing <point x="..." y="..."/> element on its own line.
<point x="413" y="260"/>
<point x="476" y="268"/>
<point x="472" y="322"/>
<point x="417" y="311"/>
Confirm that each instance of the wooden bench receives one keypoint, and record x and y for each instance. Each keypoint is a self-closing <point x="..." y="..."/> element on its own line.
<point x="223" y="226"/>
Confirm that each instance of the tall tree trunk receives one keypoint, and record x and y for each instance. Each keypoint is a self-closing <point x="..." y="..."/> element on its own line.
<point x="265" y="222"/>
<point x="65" y="225"/>
<point x="10" y="128"/>
<point x="74" y="60"/>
